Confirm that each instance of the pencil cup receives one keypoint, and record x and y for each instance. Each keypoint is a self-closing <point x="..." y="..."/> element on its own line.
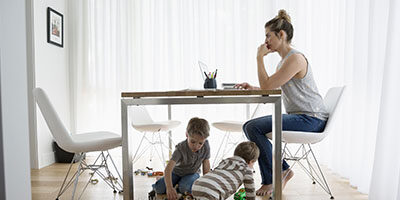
<point x="210" y="83"/>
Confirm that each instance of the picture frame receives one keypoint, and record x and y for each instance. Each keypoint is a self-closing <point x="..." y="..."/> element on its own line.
<point x="55" y="27"/>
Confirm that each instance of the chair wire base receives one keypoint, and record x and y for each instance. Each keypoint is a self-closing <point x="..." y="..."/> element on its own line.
<point x="152" y="143"/>
<point x="316" y="175"/>
<point x="108" y="177"/>
<point x="227" y="140"/>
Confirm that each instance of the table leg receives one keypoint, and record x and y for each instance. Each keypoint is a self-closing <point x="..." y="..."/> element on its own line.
<point x="247" y="112"/>
<point x="169" y="134"/>
<point x="277" y="150"/>
<point x="127" y="168"/>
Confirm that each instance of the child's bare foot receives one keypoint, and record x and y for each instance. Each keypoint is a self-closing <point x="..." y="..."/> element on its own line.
<point x="264" y="190"/>
<point x="286" y="176"/>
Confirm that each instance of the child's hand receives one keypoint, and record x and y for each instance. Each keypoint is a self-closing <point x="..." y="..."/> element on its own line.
<point x="171" y="194"/>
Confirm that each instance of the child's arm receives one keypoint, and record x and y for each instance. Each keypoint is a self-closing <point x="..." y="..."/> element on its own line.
<point x="248" y="183"/>
<point x="171" y="192"/>
<point x="206" y="166"/>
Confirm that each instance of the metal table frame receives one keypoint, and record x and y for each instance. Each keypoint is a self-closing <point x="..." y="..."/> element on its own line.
<point x="276" y="130"/>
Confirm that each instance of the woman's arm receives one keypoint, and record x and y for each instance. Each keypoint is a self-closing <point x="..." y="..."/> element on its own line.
<point x="171" y="192"/>
<point x="293" y="65"/>
<point x="246" y="86"/>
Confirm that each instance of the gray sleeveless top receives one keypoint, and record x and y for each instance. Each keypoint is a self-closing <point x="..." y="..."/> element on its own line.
<point x="301" y="96"/>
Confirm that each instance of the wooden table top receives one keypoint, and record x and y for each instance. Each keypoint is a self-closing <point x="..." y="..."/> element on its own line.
<point x="212" y="92"/>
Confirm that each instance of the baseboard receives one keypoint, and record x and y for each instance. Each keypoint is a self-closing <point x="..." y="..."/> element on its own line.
<point x="46" y="159"/>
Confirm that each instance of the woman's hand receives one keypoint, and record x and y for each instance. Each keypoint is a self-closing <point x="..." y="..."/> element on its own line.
<point x="244" y="86"/>
<point x="171" y="194"/>
<point x="263" y="50"/>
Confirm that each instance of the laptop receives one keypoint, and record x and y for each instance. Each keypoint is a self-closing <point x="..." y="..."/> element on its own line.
<point x="203" y="69"/>
<point x="228" y="86"/>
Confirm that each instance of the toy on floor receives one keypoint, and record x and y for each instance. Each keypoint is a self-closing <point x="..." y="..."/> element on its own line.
<point x="149" y="172"/>
<point x="154" y="196"/>
<point x="185" y="196"/>
<point x="141" y="172"/>
<point x="240" y="195"/>
<point x="158" y="173"/>
<point x="152" y="174"/>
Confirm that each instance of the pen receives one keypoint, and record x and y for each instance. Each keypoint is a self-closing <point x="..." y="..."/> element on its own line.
<point x="216" y="70"/>
<point x="205" y="74"/>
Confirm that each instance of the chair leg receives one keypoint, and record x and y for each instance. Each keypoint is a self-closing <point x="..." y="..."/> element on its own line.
<point x="309" y="166"/>
<point x="161" y="149"/>
<point x="77" y="176"/>
<point x="224" y="151"/>
<point x="219" y="148"/>
<point x="311" y="172"/>
<point x="62" y="188"/>
<point x="328" y="190"/>
<point x="108" y="178"/>
<point x="116" y="169"/>
<point x="95" y="168"/>
<point x="153" y="141"/>
<point x="87" y="183"/>
<point x="140" y="144"/>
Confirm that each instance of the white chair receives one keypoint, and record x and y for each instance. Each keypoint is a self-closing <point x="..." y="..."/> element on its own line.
<point x="142" y="122"/>
<point x="305" y="139"/>
<point x="80" y="144"/>
<point x="228" y="141"/>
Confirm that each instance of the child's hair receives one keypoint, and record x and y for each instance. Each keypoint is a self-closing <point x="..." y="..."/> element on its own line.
<point x="248" y="151"/>
<point x="198" y="126"/>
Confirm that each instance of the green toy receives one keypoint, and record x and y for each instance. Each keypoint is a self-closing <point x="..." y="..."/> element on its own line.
<point x="240" y="195"/>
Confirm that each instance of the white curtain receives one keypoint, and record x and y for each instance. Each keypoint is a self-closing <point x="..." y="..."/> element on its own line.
<point x="101" y="55"/>
<point x="149" y="45"/>
<point x="386" y="165"/>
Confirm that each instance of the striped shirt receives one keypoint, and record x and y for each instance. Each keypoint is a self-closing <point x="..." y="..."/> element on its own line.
<point x="225" y="180"/>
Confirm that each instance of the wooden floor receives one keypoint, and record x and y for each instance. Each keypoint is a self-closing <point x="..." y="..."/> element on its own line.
<point x="47" y="181"/>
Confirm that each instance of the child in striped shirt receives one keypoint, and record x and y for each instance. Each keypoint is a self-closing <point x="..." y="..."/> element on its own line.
<point x="229" y="175"/>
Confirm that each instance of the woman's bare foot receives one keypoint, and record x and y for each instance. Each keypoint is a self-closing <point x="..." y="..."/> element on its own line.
<point x="286" y="176"/>
<point x="264" y="190"/>
<point x="268" y="189"/>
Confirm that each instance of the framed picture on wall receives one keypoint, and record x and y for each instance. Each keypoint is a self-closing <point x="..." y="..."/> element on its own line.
<point x="55" y="27"/>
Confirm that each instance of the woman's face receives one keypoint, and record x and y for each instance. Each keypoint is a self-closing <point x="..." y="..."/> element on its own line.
<point x="271" y="39"/>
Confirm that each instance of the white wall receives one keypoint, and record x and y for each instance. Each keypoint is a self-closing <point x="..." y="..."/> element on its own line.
<point x="14" y="100"/>
<point x="51" y="74"/>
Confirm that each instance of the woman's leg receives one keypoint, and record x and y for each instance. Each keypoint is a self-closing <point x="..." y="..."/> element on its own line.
<point x="256" y="130"/>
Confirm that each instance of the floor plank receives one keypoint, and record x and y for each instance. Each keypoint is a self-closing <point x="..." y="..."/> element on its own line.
<point x="47" y="181"/>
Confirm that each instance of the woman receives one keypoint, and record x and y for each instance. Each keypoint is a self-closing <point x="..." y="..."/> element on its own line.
<point x="302" y="101"/>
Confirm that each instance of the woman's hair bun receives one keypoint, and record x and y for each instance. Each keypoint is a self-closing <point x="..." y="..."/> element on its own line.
<point x="283" y="15"/>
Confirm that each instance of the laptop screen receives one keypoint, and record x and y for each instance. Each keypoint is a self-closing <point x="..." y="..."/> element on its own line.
<point x="203" y="69"/>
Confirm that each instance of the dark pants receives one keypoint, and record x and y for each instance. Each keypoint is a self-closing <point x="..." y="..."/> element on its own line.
<point x="256" y="130"/>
